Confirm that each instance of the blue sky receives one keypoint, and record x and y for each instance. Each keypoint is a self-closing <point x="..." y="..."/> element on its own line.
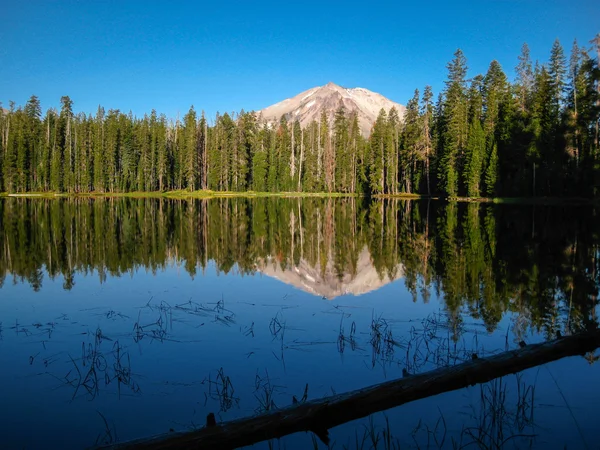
<point x="225" y="56"/>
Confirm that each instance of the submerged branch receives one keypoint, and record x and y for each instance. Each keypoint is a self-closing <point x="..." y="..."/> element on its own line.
<point x="319" y="415"/>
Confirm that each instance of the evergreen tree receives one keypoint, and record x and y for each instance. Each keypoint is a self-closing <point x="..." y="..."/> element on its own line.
<point x="65" y="147"/>
<point x="159" y="136"/>
<point x="355" y="145"/>
<point x="343" y="169"/>
<point x="377" y="144"/>
<point x="297" y="154"/>
<point x="411" y="136"/>
<point x="260" y="161"/>
<point x="189" y="150"/>
<point x="557" y="75"/>
<point x="13" y="139"/>
<point x="98" y="149"/>
<point x="31" y="156"/>
<point x="524" y="81"/>
<point x="310" y="174"/>
<point x="393" y="161"/>
<point x="454" y="126"/>
<point x="247" y="143"/>
<point x="544" y="125"/>
<point x="426" y="134"/>
<point x="476" y="143"/>
<point x="327" y="157"/>
<point x="283" y="144"/>
<point x="495" y="91"/>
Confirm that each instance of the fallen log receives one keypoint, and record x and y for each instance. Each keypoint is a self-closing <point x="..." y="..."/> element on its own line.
<point x="319" y="415"/>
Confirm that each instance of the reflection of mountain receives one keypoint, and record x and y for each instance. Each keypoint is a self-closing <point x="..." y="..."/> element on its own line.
<point x="311" y="279"/>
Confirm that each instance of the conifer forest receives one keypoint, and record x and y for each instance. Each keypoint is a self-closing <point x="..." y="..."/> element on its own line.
<point x="483" y="136"/>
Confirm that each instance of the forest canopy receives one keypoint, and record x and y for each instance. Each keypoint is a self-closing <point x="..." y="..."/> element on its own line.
<point x="482" y="136"/>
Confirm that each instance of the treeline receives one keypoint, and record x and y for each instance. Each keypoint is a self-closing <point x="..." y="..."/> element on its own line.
<point x="484" y="136"/>
<point x="539" y="264"/>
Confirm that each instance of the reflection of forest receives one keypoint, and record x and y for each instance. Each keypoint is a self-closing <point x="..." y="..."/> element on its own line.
<point x="539" y="262"/>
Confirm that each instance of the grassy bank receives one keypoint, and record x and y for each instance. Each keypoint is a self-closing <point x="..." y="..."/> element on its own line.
<point x="566" y="201"/>
<point x="178" y="194"/>
<point x="220" y="194"/>
<point x="182" y="194"/>
<point x="403" y="195"/>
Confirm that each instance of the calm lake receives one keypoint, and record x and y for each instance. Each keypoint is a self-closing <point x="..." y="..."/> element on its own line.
<point x="124" y="318"/>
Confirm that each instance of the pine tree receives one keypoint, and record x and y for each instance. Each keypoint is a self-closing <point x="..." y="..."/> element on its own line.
<point x="491" y="172"/>
<point x="159" y="136"/>
<point x="298" y="152"/>
<point x="524" y="81"/>
<point x="454" y="126"/>
<point x="260" y="161"/>
<point x="393" y="157"/>
<point x="355" y="146"/>
<point x="272" y="164"/>
<point x="495" y="91"/>
<point x="557" y="74"/>
<point x="83" y="153"/>
<point x="283" y="150"/>
<point x="14" y="139"/>
<point x="377" y="143"/>
<point x="57" y="166"/>
<point x="411" y="136"/>
<point x="203" y="153"/>
<point x="247" y="143"/>
<point x="517" y="167"/>
<point x="341" y="151"/>
<point x="328" y="154"/>
<point x="3" y="131"/>
<point x="31" y="156"/>
<point x="426" y="134"/>
<point x="113" y="137"/>
<point x="587" y="83"/>
<point x="65" y="148"/>
<point x="189" y="150"/>
<point x="476" y="143"/>
<point x="310" y="180"/>
<point x="544" y="132"/>
<point x="98" y="150"/>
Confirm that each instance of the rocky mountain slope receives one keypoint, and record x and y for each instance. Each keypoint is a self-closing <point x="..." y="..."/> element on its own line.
<point x="308" y="105"/>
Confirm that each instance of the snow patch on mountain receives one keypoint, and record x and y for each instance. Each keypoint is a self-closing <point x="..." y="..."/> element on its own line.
<point x="308" y="106"/>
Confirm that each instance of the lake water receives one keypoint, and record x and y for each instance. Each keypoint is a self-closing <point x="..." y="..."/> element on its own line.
<point x="124" y="318"/>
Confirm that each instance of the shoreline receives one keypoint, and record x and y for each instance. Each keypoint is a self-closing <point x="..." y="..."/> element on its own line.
<point x="200" y="194"/>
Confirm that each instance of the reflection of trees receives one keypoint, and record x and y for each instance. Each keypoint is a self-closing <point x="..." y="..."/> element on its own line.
<point x="537" y="262"/>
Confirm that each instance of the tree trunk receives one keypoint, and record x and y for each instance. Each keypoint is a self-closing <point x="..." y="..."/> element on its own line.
<point x="319" y="154"/>
<point x="293" y="156"/>
<point x="301" y="159"/>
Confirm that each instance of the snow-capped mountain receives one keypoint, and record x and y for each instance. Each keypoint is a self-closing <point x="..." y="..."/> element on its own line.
<point x="308" y="105"/>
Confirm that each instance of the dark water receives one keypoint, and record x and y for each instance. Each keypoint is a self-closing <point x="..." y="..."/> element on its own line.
<point x="123" y="318"/>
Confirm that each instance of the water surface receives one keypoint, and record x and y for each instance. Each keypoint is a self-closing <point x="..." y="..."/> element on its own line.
<point x="123" y="318"/>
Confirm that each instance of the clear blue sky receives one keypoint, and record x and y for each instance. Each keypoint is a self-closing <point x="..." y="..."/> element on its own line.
<point x="225" y="56"/>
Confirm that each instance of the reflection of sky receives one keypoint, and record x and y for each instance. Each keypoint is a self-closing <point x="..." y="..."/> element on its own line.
<point x="170" y="373"/>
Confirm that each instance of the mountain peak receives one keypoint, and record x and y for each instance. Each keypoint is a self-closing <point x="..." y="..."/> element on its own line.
<point x="309" y="105"/>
